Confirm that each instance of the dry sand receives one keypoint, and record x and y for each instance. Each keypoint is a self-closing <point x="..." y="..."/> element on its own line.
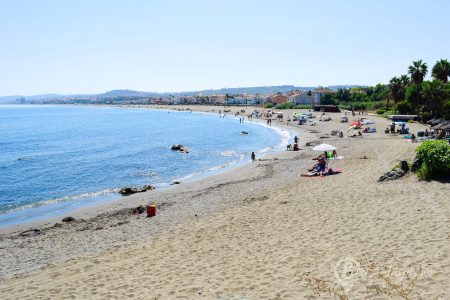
<point x="259" y="231"/>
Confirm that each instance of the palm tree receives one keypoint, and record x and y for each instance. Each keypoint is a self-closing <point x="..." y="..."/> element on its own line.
<point x="417" y="71"/>
<point x="395" y="84"/>
<point x="441" y="70"/>
<point x="404" y="79"/>
<point x="434" y="93"/>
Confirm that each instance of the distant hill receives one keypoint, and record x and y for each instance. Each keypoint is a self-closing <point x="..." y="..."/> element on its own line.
<point x="262" y="90"/>
<point x="126" y="93"/>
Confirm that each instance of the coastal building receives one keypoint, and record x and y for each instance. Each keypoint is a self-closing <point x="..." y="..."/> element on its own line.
<point x="302" y="98"/>
<point x="319" y="93"/>
<point x="277" y="99"/>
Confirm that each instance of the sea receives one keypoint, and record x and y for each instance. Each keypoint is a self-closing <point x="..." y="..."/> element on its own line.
<point x="54" y="159"/>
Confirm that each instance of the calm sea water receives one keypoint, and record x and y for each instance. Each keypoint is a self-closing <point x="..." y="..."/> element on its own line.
<point x="57" y="158"/>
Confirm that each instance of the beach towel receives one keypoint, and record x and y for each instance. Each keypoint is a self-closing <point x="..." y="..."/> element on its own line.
<point x="327" y="172"/>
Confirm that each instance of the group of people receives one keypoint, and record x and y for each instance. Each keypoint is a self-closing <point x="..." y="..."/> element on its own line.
<point x="320" y="167"/>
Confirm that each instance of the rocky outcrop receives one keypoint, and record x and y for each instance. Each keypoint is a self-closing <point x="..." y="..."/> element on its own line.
<point x="145" y="188"/>
<point x="392" y="175"/>
<point x="417" y="162"/>
<point x="138" y="210"/>
<point x="178" y="147"/>
<point x="133" y="190"/>
<point x="31" y="232"/>
<point x="128" y="191"/>
<point x="68" y="219"/>
<point x="403" y="165"/>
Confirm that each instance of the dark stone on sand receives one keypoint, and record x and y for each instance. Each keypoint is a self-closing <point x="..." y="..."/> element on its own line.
<point x="403" y="165"/>
<point x="139" y="210"/>
<point x="31" y="232"/>
<point x="392" y="175"/>
<point x="68" y="219"/>
<point x="416" y="164"/>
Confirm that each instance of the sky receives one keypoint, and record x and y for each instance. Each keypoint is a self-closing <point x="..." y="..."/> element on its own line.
<point x="92" y="46"/>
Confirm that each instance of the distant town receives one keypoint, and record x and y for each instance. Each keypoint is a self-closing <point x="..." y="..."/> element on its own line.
<point x="233" y="96"/>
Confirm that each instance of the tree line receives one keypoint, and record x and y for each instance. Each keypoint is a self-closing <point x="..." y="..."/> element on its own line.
<point x="406" y="94"/>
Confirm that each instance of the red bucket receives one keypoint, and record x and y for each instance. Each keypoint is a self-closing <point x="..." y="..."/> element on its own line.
<point x="151" y="210"/>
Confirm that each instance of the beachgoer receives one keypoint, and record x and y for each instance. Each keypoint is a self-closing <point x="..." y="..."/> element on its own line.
<point x="296" y="139"/>
<point x="413" y="138"/>
<point x="253" y="156"/>
<point x="334" y="154"/>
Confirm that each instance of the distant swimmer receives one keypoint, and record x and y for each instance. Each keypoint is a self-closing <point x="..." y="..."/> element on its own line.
<point x="244" y="132"/>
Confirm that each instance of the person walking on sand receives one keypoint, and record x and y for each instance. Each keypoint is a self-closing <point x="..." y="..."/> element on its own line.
<point x="253" y="156"/>
<point x="295" y="140"/>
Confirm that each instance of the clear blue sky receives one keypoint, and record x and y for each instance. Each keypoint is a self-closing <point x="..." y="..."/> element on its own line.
<point x="89" y="46"/>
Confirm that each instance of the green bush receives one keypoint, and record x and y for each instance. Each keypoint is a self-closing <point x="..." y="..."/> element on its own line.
<point x="268" y="105"/>
<point x="435" y="158"/>
<point x="403" y="107"/>
<point x="303" y="106"/>
<point x="284" y="105"/>
<point x="388" y="113"/>
<point x="381" y="111"/>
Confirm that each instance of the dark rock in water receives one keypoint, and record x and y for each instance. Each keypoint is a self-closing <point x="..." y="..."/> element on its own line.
<point x="138" y="210"/>
<point x="132" y="190"/>
<point x="176" y="182"/>
<point x="244" y="132"/>
<point x="68" y="219"/>
<point x="178" y="147"/>
<point x="392" y="175"/>
<point x="145" y="188"/>
<point x="128" y="191"/>
<point x="31" y="232"/>
<point x="403" y="165"/>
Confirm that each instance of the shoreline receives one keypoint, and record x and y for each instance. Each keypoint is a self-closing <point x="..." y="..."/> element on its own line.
<point x="258" y="231"/>
<point x="187" y="179"/>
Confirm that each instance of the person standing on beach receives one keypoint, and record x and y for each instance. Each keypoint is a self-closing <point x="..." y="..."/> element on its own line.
<point x="253" y="156"/>
<point x="295" y="140"/>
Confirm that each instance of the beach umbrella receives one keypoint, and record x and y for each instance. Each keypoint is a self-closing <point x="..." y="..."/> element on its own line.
<point x="324" y="147"/>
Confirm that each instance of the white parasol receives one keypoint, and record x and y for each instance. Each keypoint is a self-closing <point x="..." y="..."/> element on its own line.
<point x="324" y="147"/>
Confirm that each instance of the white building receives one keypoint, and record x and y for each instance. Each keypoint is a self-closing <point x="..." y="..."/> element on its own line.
<point x="302" y="98"/>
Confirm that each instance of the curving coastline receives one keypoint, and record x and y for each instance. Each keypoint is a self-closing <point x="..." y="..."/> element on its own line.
<point x="224" y="235"/>
<point x="54" y="207"/>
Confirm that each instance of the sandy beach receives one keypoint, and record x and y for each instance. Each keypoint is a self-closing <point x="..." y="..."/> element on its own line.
<point x="257" y="231"/>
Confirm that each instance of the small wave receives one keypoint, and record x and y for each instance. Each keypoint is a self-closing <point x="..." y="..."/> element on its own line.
<point x="228" y="153"/>
<point x="151" y="174"/>
<point x="62" y="199"/>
